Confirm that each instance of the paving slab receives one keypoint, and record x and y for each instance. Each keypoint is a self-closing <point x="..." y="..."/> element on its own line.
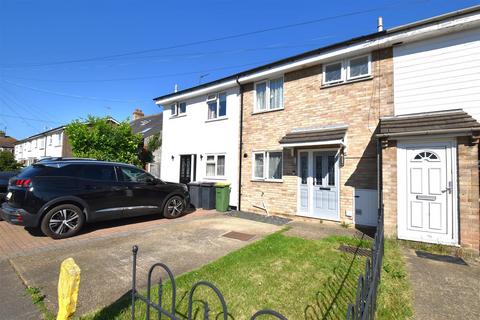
<point x="15" y="303"/>
<point x="183" y="245"/>
<point x="442" y="289"/>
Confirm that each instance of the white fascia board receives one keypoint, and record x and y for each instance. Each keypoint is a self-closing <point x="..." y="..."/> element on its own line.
<point x="447" y="26"/>
<point x="214" y="88"/>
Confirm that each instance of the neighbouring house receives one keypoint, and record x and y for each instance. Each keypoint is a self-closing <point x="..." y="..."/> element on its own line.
<point x="50" y="143"/>
<point x="149" y="127"/>
<point x="7" y="143"/>
<point x="200" y="137"/>
<point x="430" y="143"/>
<point x="387" y="120"/>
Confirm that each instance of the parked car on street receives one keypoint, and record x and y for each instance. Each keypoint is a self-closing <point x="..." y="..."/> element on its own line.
<point x="4" y="177"/>
<point x="60" y="195"/>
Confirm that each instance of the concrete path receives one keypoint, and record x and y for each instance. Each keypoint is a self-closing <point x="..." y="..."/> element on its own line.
<point x="15" y="303"/>
<point x="183" y="244"/>
<point x="443" y="290"/>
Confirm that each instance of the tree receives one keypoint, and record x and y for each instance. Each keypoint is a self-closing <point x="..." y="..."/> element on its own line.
<point x="7" y="161"/>
<point x="100" y="139"/>
<point x="152" y="144"/>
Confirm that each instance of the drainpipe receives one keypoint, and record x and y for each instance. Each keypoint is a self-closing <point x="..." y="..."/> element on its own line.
<point x="240" y="145"/>
<point x="379" y="176"/>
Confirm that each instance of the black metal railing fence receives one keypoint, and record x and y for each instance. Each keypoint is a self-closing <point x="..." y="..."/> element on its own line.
<point x="364" y="308"/>
<point x="367" y="287"/>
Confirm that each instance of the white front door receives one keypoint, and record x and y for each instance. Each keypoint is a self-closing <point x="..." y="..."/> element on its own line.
<point x="318" y="184"/>
<point x="426" y="192"/>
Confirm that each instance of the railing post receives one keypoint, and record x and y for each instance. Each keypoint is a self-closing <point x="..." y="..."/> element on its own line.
<point x="134" y="276"/>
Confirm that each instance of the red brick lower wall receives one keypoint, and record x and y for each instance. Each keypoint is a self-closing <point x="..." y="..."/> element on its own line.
<point x="389" y="177"/>
<point x="468" y="187"/>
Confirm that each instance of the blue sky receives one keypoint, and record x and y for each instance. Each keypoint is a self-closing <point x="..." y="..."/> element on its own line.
<point x="41" y="86"/>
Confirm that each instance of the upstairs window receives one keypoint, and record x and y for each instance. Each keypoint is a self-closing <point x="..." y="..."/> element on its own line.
<point x="178" y="108"/>
<point x="217" y="105"/>
<point x="269" y="95"/>
<point x="333" y="73"/>
<point x="173" y="110"/>
<point x="347" y="70"/>
<point x="358" y="67"/>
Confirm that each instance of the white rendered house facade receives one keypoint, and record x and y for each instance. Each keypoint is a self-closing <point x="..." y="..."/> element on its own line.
<point x="200" y="138"/>
<point x="51" y="143"/>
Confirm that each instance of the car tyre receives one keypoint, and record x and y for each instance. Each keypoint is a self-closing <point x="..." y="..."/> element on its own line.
<point x="63" y="221"/>
<point x="174" y="207"/>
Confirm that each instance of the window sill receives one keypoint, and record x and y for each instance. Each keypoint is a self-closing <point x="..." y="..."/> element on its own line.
<point x="216" y="178"/>
<point x="178" y="116"/>
<point x="336" y="84"/>
<point x="267" y="111"/>
<point x="267" y="180"/>
<point x="217" y="119"/>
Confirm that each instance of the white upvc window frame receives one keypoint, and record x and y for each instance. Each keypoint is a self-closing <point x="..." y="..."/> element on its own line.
<point x="266" y="169"/>
<point x="210" y="98"/>
<point x="179" y="108"/>
<point x="176" y="110"/>
<point x="342" y="72"/>
<point x="268" y="107"/>
<point x="173" y="109"/>
<point x="345" y="72"/>
<point x="369" y="66"/>
<point x="215" y="162"/>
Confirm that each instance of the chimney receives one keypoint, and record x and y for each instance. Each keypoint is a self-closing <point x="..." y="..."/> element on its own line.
<point x="380" y="24"/>
<point x="176" y="88"/>
<point x="2" y="134"/>
<point x="137" y="114"/>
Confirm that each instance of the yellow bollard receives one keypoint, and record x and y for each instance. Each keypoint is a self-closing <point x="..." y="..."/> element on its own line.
<point x="68" y="284"/>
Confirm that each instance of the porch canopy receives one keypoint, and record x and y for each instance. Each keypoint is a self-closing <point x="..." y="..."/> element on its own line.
<point x="454" y="122"/>
<point x="315" y="136"/>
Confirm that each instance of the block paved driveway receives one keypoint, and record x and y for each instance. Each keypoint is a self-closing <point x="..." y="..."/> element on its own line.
<point x="17" y="241"/>
<point x="104" y="253"/>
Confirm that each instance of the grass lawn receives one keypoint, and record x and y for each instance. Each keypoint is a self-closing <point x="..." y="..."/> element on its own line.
<point x="302" y="279"/>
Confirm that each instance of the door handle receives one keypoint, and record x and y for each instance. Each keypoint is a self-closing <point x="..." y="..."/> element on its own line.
<point x="119" y="188"/>
<point x="449" y="188"/>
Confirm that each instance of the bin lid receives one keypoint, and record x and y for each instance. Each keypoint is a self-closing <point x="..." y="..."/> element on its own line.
<point x="207" y="184"/>
<point x="222" y="184"/>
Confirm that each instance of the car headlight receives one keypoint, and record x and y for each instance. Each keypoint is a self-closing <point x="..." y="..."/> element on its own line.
<point x="185" y="187"/>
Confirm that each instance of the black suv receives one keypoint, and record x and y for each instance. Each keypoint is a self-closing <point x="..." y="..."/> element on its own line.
<point x="61" y="195"/>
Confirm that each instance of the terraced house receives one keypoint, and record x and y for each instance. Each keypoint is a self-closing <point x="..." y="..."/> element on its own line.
<point x="383" y="120"/>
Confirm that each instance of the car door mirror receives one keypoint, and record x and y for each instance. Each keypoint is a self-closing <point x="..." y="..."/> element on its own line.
<point x="151" y="181"/>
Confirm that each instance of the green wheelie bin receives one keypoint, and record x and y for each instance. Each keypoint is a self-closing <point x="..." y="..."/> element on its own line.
<point x="222" y="193"/>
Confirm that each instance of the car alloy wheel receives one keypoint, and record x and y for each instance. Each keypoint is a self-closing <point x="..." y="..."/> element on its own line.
<point x="63" y="221"/>
<point x="175" y="207"/>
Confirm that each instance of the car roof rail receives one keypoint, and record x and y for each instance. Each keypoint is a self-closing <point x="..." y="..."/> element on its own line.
<point x="49" y="159"/>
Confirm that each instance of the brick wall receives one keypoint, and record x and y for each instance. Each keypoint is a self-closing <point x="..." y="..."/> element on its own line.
<point x="468" y="188"/>
<point x="306" y="103"/>
<point x="389" y="176"/>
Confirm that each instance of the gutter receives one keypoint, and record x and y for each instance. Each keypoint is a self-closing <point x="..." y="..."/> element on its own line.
<point x="428" y="132"/>
<point x="240" y="148"/>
